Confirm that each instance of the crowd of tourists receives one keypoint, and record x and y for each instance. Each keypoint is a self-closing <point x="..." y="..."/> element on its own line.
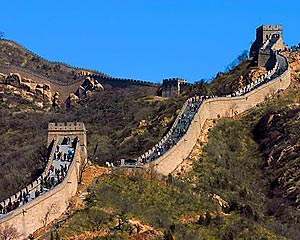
<point x="192" y="107"/>
<point x="180" y="129"/>
<point x="56" y="174"/>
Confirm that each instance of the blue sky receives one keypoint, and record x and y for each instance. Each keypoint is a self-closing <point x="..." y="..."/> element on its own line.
<point x="145" y="39"/>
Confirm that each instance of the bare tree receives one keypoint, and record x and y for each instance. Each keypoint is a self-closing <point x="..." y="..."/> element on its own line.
<point x="82" y="168"/>
<point x="8" y="232"/>
<point x="52" y="209"/>
<point x="84" y="164"/>
<point x="1" y="35"/>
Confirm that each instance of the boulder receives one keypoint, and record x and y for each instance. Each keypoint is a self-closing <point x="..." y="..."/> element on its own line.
<point x="39" y="92"/>
<point x="98" y="86"/>
<point x="13" y="79"/>
<point x="2" y="77"/>
<point x="72" y="100"/>
<point x="55" y="100"/>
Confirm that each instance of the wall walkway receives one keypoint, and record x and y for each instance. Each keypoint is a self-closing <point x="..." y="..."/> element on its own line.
<point x="38" y="211"/>
<point x="275" y="80"/>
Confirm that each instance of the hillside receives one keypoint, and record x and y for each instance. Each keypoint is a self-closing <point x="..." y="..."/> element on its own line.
<point x="239" y="168"/>
<point x="246" y="182"/>
<point x="123" y="120"/>
<point x="237" y="77"/>
<point x="15" y="56"/>
<point x="261" y="195"/>
<point x="52" y="84"/>
<point x="121" y="124"/>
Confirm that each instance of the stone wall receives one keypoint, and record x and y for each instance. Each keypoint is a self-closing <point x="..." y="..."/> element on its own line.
<point x="121" y="82"/>
<point x="215" y="108"/>
<point x="45" y="208"/>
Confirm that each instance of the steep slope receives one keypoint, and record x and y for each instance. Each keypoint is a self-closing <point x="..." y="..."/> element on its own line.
<point x="253" y="164"/>
<point x="121" y="124"/>
<point x="15" y="56"/>
<point x="238" y="167"/>
<point x="66" y="84"/>
<point x="241" y="75"/>
<point x="123" y="121"/>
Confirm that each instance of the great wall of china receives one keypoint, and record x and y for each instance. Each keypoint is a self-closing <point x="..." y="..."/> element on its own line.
<point x="213" y="108"/>
<point x="38" y="211"/>
<point x="87" y="72"/>
<point x="45" y="208"/>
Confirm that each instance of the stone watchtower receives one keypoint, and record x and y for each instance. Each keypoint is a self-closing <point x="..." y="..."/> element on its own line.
<point x="69" y="129"/>
<point x="268" y="39"/>
<point x="172" y="87"/>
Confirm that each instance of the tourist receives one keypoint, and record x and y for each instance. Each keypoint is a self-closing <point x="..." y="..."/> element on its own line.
<point x="51" y="168"/>
<point x="59" y="155"/>
<point x="1" y="209"/>
<point x="36" y="194"/>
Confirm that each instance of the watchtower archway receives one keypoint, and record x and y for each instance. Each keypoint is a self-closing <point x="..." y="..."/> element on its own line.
<point x="59" y="131"/>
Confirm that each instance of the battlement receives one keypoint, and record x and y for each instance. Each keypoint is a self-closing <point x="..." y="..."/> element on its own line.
<point x="269" y="28"/>
<point x="169" y="81"/>
<point x="121" y="82"/>
<point x="62" y="129"/>
<point x="266" y="32"/>
<point x="67" y="126"/>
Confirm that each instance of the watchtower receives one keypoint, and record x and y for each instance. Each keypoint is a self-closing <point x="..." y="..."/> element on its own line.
<point x="76" y="129"/>
<point x="69" y="129"/>
<point x="172" y="87"/>
<point x="266" y="32"/>
<point x="268" y="39"/>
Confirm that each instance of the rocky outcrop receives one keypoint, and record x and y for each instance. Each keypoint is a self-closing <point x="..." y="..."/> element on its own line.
<point x="72" y="100"/>
<point x="55" y="100"/>
<point x="294" y="61"/>
<point x="255" y="73"/>
<point x="42" y="95"/>
<point x="86" y="89"/>
<point x="277" y="133"/>
<point x="39" y="94"/>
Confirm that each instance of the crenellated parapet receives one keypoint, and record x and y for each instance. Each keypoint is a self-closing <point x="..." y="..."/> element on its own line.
<point x="62" y="129"/>
<point x="80" y="72"/>
<point x="176" y="145"/>
<point x="121" y="82"/>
